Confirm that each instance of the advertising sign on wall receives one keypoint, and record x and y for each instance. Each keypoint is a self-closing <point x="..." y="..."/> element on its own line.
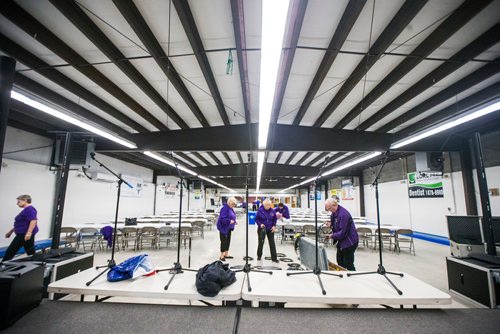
<point x="425" y="185"/>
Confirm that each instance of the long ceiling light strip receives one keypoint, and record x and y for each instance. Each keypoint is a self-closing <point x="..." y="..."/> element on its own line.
<point x="170" y="163"/>
<point x="70" y="119"/>
<point x="274" y="14"/>
<point x="337" y="169"/>
<point x="260" y="164"/>
<point x="448" y="125"/>
<point x="185" y="169"/>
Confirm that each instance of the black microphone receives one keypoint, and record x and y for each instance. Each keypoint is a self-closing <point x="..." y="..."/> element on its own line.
<point x="92" y="155"/>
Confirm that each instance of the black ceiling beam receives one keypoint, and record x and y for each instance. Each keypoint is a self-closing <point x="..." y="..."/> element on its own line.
<point x="240" y="39"/>
<point x="402" y="18"/>
<point x="239" y="157"/>
<point x="483" y="96"/>
<point x="469" y="81"/>
<point x="278" y="157"/>
<point x="227" y="157"/>
<point x="34" y="87"/>
<point x="187" y="20"/>
<point x="148" y="161"/>
<point x="291" y="138"/>
<point x="319" y="157"/>
<point x="20" y="122"/>
<point x="304" y="158"/>
<point x="202" y="158"/>
<point x="452" y="139"/>
<point x="296" y="15"/>
<point x="475" y="48"/>
<point x="134" y="18"/>
<point x="290" y="158"/>
<point x="273" y="170"/>
<point x="41" y="67"/>
<point x="72" y="11"/>
<point x="32" y="27"/>
<point x="351" y="14"/>
<point x="214" y="157"/>
<point x="444" y="31"/>
<point x="188" y="158"/>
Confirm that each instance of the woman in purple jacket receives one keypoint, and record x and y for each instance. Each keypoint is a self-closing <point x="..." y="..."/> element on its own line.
<point x="344" y="232"/>
<point x="225" y="225"/>
<point x="24" y="227"/>
<point x="266" y="223"/>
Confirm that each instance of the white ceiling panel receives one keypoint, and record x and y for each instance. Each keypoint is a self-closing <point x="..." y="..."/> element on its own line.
<point x="57" y="23"/>
<point x="340" y="70"/>
<point x="320" y="22"/>
<point x="253" y="23"/>
<point x="359" y="37"/>
<point x="451" y="101"/>
<point x="107" y="17"/>
<point x="214" y="22"/>
<point x="234" y="157"/>
<point x="304" y="68"/>
<point x="221" y="157"/>
<point x="229" y="86"/>
<point x="27" y="42"/>
<point x="284" y="157"/>
<point x="156" y="15"/>
<point x="473" y="29"/>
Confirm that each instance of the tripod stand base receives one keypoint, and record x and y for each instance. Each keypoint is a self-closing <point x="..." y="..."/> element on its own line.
<point x="111" y="264"/>
<point x="176" y="269"/>
<point x="318" y="273"/>
<point x="247" y="268"/>
<point x="381" y="271"/>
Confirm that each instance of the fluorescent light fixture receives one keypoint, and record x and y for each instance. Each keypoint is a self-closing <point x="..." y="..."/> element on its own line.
<point x="336" y="169"/>
<point x="352" y="163"/>
<point x="448" y="125"/>
<point x="274" y="14"/>
<point x="307" y="181"/>
<point x="70" y="119"/>
<point x="170" y="163"/>
<point x="212" y="181"/>
<point x="260" y="165"/>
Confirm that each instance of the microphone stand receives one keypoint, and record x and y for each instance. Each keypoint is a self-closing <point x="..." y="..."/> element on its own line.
<point x="177" y="268"/>
<point x="317" y="271"/>
<point x="380" y="270"/>
<point x="111" y="262"/>
<point x="247" y="268"/>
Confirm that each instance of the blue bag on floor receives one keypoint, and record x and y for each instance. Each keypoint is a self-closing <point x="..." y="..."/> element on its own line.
<point x="136" y="266"/>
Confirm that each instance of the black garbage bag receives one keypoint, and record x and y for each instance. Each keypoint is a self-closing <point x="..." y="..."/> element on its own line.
<point x="213" y="277"/>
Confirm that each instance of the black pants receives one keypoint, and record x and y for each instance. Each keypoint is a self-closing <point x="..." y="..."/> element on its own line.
<point x="225" y="241"/>
<point x="345" y="257"/>
<point x="17" y="243"/>
<point x="270" y="239"/>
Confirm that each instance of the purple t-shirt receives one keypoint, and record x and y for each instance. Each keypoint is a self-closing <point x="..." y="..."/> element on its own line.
<point x="23" y="219"/>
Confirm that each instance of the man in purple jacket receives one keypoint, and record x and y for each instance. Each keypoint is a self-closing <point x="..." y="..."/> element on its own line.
<point x="344" y="232"/>
<point x="266" y="224"/>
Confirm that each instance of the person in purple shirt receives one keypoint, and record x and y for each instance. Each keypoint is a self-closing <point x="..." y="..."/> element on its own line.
<point x="266" y="224"/>
<point x="225" y="225"/>
<point x="283" y="211"/>
<point x="344" y="232"/>
<point x="25" y="229"/>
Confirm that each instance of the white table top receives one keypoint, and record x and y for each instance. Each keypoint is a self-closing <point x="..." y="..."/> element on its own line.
<point x="370" y="226"/>
<point x="165" y="220"/>
<point x="365" y="289"/>
<point x="182" y="286"/>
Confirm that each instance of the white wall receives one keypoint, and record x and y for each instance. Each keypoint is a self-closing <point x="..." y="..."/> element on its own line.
<point x="17" y="178"/>
<point x="16" y="140"/>
<point x="427" y="215"/>
<point x="166" y="203"/>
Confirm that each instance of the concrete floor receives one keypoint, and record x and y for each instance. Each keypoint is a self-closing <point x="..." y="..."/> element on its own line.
<point x="428" y="264"/>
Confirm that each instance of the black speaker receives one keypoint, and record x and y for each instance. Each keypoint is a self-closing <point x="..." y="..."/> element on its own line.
<point x="21" y="289"/>
<point x="79" y="154"/>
